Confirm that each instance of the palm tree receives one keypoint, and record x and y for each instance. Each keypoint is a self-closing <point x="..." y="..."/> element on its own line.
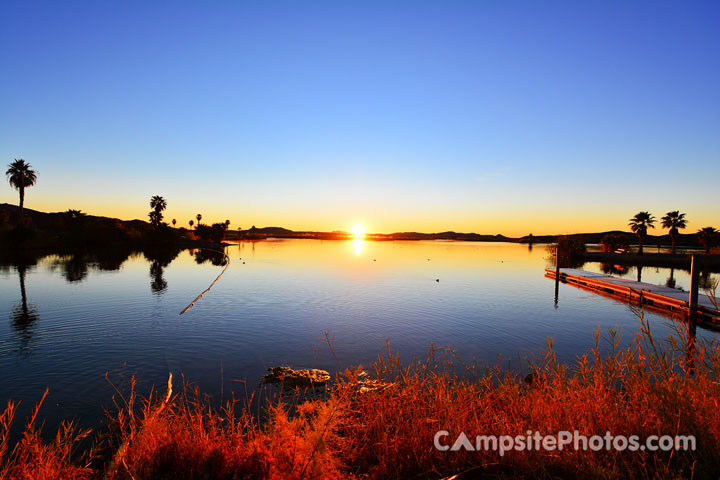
<point x="158" y="204"/>
<point x="199" y="217"/>
<point x="73" y="213"/>
<point x="639" y="225"/>
<point x="174" y="222"/>
<point x="20" y="175"/>
<point x="674" y="221"/>
<point x="74" y="218"/>
<point x="191" y="223"/>
<point x="706" y="237"/>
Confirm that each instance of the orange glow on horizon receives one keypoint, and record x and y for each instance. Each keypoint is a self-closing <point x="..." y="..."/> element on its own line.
<point x="508" y="220"/>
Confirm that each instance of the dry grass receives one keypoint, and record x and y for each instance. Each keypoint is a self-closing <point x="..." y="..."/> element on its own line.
<point x="649" y="388"/>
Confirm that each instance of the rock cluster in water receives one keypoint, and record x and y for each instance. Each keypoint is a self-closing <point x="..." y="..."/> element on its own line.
<point x="291" y="379"/>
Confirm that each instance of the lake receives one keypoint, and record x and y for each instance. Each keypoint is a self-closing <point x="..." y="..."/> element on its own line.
<point x="70" y="319"/>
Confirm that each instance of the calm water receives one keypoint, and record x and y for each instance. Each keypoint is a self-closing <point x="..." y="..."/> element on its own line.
<point x="80" y="320"/>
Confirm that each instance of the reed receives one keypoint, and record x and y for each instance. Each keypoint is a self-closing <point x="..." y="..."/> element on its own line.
<point x="651" y="387"/>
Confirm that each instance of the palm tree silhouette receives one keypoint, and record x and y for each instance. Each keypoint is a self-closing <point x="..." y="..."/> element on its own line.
<point x="174" y="222"/>
<point x="191" y="223"/>
<point x="639" y="225"/>
<point x="707" y="236"/>
<point x="199" y="217"/>
<point x="20" y="175"/>
<point x="158" y="204"/>
<point x="674" y="221"/>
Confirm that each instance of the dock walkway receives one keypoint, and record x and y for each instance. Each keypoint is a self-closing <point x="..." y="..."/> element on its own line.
<point x="663" y="298"/>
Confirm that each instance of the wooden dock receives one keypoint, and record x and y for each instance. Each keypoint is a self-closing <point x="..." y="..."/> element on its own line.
<point x="665" y="299"/>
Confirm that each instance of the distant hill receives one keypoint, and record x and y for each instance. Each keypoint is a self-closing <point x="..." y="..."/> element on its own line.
<point x="49" y="221"/>
<point x="43" y="220"/>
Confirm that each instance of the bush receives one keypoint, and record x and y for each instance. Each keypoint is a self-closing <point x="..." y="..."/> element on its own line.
<point x="571" y="250"/>
<point x="614" y="241"/>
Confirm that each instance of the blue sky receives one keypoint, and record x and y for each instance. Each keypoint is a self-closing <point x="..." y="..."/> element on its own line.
<point x="489" y="116"/>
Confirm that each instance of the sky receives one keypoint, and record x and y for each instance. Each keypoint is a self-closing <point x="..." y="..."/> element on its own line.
<point x="491" y="116"/>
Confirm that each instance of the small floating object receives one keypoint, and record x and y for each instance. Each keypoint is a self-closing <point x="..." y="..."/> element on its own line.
<point x="437" y="280"/>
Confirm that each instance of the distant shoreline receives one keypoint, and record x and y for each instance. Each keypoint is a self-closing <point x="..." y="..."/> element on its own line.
<point x="48" y="221"/>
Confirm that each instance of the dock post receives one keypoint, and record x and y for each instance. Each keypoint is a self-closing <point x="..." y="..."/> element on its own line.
<point x="557" y="273"/>
<point x="694" y="281"/>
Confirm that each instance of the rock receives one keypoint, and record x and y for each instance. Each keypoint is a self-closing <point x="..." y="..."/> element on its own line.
<point x="292" y="379"/>
<point x="365" y="384"/>
<point x="372" y="385"/>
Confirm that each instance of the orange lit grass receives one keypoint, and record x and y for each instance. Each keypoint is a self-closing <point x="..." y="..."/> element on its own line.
<point x="642" y="390"/>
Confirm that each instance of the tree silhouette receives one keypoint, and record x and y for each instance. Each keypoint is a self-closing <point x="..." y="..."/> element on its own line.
<point x="707" y="237"/>
<point x="612" y="242"/>
<point x="74" y="219"/>
<point x="191" y="223"/>
<point x="199" y="217"/>
<point x="639" y="225"/>
<point x="174" y="222"/>
<point x="674" y="221"/>
<point x="72" y="213"/>
<point x="20" y="175"/>
<point x="158" y="204"/>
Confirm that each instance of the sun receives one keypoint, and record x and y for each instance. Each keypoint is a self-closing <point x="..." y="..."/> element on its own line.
<point x="358" y="231"/>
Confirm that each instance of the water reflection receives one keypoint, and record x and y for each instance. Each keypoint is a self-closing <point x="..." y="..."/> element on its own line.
<point x="158" y="285"/>
<point x="705" y="282"/>
<point x="358" y="245"/>
<point x="214" y="257"/>
<point x="159" y="258"/>
<point x="23" y="315"/>
<point x="670" y="283"/>
<point x="76" y="265"/>
<point x="611" y="269"/>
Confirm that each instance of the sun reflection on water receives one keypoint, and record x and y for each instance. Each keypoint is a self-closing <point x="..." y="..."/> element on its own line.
<point x="358" y="245"/>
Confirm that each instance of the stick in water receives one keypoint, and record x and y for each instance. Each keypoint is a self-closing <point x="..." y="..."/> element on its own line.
<point x="211" y="285"/>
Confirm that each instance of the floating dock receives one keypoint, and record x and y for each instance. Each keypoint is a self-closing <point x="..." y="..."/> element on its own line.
<point x="666" y="299"/>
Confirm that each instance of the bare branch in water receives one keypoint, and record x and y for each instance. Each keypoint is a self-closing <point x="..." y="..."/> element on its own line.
<point x="213" y="283"/>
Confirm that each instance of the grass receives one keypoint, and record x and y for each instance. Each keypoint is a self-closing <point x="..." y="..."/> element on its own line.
<point x="651" y="387"/>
